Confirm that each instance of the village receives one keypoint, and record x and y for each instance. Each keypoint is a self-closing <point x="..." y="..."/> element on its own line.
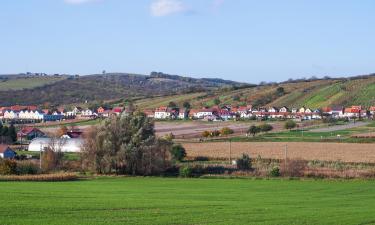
<point x="32" y="114"/>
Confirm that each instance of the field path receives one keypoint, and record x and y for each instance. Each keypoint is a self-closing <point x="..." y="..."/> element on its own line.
<point x="346" y="152"/>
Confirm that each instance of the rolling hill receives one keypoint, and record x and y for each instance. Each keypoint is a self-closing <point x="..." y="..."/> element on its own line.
<point x="159" y="89"/>
<point x="310" y="93"/>
<point x="57" y="90"/>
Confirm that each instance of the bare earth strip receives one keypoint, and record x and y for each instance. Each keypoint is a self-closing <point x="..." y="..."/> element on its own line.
<point x="346" y="152"/>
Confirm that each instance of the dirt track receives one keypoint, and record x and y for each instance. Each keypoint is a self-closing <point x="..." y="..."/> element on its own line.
<point x="346" y="152"/>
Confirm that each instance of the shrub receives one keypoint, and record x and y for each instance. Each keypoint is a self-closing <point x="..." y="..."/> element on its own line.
<point x="27" y="167"/>
<point x="178" y="152"/>
<point x="226" y="131"/>
<point x="244" y="163"/>
<point x="215" y="133"/>
<point x="186" y="171"/>
<point x="275" y="172"/>
<point x="205" y="134"/>
<point x="41" y="177"/>
<point x="253" y="130"/>
<point x="266" y="127"/>
<point x="201" y="158"/>
<point x="293" y="168"/>
<point x="290" y="124"/>
<point x="8" y="167"/>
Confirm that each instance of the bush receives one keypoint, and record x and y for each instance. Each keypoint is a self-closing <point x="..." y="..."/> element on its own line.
<point x="201" y="158"/>
<point x="293" y="168"/>
<point x="275" y="172"/>
<point x="178" y="152"/>
<point x="226" y="131"/>
<point x="205" y="134"/>
<point x="27" y="167"/>
<point x="186" y="171"/>
<point x="266" y="127"/>
<point x="8" y="167"/>
<point x="244" y="163"/>
<point x="290" y="124"/>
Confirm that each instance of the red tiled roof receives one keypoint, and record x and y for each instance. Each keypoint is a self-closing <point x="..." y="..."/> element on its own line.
<point x="3" y="148"/>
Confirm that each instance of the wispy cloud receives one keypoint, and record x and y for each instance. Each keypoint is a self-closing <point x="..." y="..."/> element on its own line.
<point x="216" y="4"/>
<point x="78" y="2"/>
<point x="167" y="7"/>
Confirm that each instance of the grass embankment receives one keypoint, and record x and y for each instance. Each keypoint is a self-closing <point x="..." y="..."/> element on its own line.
<point x="188" y="201"/>
<point x="344" y="136"/>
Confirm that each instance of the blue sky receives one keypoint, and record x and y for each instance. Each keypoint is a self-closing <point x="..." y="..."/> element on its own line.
<point x="241" y="40"/>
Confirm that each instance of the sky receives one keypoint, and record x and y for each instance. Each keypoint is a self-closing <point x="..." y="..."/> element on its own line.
<point x="241" y="40"/>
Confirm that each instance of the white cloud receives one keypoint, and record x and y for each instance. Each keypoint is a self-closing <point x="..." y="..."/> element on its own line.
<point x="167" y="7"/>
<point x="77" y="2"/>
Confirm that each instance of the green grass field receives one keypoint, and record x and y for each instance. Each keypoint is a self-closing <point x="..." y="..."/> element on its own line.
<point x="30" y="82"/>
<point x="188" y="201"/>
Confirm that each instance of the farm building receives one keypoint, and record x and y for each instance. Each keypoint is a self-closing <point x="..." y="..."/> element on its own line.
<point x="6" y="152"/>
<point x="58" y="144"/>
<point x="29" y="133"/>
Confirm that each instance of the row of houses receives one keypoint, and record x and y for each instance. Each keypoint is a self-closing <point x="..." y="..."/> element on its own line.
<point x="248" y="112"/>
<point x="33" y="113"/>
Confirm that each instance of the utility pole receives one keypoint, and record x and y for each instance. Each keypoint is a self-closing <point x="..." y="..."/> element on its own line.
<point x="40" y="157"/>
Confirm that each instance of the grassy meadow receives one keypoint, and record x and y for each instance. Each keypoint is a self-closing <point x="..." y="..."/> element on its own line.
<point x="188" y="201"/>
<point x="28" y="82"/>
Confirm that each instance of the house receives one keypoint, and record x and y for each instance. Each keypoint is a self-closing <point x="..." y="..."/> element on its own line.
<point x="202" y="113"/>
<point x="100" y="110"/>
<point x="118" y="110"/>
<point x="372" y="110"/>
<point x="273" y="110"/>
<point x="294" y="110"/>
<point x="284" y="109"/>
<point x="88" y="113"/>
<point x="183" y="114"/>
<point x="225" y="114"/>
<point x="30" y="133"/>
<point x="11" y="115"/>
<point x="337" y="112"/>
<point x="302" y="110"/>
<point x="162" y="113"/>
<point x="6" y="152"/>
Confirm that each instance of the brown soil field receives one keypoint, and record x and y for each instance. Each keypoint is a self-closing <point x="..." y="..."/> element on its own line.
<point x="345" y="152"/>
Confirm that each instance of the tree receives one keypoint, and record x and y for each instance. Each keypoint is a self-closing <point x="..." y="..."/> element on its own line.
<point x="126" y="145"/>
<point x="172" y="105"/>
<point x="62" y="131"/>
<point x="178" y="152"/>
<point x="253" y="130"/>
<point x="244" y="163"/>
<point x="280" y="91"/>
<point x="265" y="127"/>
<point x="226" y="131"/>
<point x="186" y="105"/>
<point x="205" y="134"/>
<point x="290" y="124"/>
<point x="216" y="101"/>
<point x="12" y="133"/>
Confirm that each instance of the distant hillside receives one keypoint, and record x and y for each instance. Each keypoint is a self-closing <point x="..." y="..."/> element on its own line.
<point x="314" y="93"/>
<point x="77" y="89"/>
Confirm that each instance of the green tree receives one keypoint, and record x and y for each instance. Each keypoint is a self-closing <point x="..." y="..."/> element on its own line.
<point x="216" y="101"/>
<point x="253" y="130"/>
<point x="226" y="131"/>
<point x="265" y="127"/>
<point x="290" y="124"/>
<point x="280" y="91"/>
<point x="126" y="145"/>
<point x="186" y="105"/>
<point x="12" y="133"/>
<point x="178" y="152"/>
<point x="244" y="163"/>
<point x="172" y="105"/>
